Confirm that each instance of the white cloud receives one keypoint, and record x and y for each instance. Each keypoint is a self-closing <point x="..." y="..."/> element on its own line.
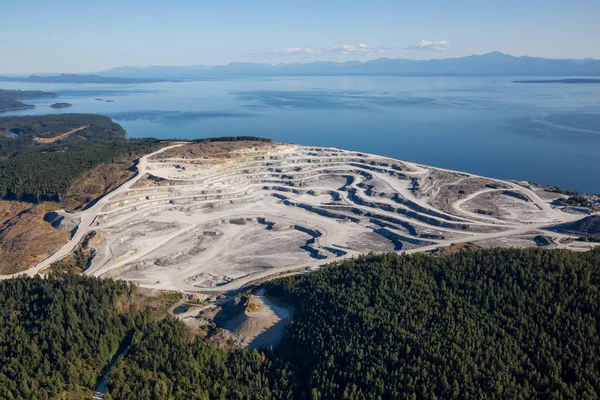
<point x="342" y="50"/>
<point x="347" y="49"/>
<point x="292" y="50"/>
<point x="431" y="45"/>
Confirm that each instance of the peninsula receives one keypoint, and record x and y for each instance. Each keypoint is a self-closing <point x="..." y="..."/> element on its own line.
<point x="568" y="81"/>
<point x="11" y="99"/>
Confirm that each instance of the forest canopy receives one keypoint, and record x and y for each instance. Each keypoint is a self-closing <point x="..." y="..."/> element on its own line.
<point x="486" y="324"/>
<point x="57" y="335"/>
<point x="34" y="168"/>
<point x="497" y="324"/>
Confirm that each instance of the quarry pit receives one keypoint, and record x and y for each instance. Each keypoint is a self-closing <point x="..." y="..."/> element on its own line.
<point x="212" y="217"/>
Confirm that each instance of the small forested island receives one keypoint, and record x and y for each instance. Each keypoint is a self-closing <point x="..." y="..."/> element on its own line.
<point x="61" y="105"/>
<point x="10" y="99"/>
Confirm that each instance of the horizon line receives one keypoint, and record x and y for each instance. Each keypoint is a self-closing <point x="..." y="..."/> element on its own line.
<point x="95" y="72"/>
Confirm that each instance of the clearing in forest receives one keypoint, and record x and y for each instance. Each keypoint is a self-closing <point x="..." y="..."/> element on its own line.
<point x="59" y="137"/>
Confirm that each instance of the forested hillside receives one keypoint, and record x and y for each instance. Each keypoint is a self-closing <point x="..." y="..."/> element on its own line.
<point x="166" y="362"/>
<point x="38" y="170"/>
<point x="57" y="334"/>
<point x="483" y="324"/>
<point x="478" y="324"/>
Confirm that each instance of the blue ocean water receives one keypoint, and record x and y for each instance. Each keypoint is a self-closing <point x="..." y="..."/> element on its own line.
<point x="545" y="133"/>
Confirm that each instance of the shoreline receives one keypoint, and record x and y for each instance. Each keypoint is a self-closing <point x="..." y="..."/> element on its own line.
<point x="27" y="107"/>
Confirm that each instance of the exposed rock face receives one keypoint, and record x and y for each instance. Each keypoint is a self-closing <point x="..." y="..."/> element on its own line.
<point x="542" y="241"/>
<point x="98" y="182"/>
<point x="25" y="239"/>
<point x="214" y="216"/>
<point x="257" y="323"/>
<point x="588" y="226"/>
<point x="63" y="220"/>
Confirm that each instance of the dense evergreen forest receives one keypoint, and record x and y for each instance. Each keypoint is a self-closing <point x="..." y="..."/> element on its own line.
<point x="57" y="334"/>
<point x="31" y="170"/>
<point x="477" y="324"/>
<point x="166" y="362"/>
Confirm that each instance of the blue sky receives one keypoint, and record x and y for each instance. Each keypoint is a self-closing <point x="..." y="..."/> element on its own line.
<point x="84" y="36"/>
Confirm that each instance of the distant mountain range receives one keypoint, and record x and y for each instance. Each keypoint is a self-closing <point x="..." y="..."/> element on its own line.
<point x="491" y="64"/>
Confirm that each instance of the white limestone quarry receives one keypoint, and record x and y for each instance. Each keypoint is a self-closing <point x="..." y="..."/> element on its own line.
<point x="214" y="224"/>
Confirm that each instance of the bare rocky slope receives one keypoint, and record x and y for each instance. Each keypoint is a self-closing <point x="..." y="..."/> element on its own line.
<point x="588" y="226"/>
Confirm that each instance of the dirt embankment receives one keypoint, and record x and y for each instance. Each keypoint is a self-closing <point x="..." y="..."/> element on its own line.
<point x="25" y="238"/>
<point x="260" y="323"/>
<point x="158" y="302"/>
<point x="77" y="261"/>
<point x="456" y="248"/>
<point x="98" y="182"/>
<point x="217" y="149"/>
<point x="586" y="227"/>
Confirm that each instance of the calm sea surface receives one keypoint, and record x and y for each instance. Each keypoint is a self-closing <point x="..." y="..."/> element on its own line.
<point x="545" y="133"/>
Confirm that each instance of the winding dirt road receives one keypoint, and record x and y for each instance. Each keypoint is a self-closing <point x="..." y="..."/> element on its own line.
<point x="87" y="218"/>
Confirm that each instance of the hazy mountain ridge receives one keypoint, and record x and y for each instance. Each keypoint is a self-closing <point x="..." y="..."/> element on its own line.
<point x="491" y="64"/>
